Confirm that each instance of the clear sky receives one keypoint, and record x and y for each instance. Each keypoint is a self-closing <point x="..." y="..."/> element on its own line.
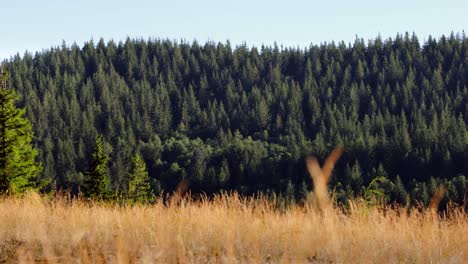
<point x="34" y="25"/>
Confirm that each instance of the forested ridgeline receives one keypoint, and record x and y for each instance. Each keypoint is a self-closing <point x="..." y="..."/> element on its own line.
<point x="240" y="118"/>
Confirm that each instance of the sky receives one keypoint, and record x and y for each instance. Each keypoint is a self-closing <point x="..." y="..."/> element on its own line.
<point x="35" y="25"/>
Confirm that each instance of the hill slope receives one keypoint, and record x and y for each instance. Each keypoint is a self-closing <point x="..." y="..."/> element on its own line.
<point x="244" y="118"/>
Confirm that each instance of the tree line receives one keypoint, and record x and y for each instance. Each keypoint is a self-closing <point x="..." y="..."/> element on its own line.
<point x="245" y="118"/>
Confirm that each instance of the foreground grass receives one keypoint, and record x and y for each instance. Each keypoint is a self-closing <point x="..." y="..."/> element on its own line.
<point x="225" y="230"/>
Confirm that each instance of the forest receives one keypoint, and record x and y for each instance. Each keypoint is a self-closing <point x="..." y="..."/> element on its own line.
<point x="146" y="114"/>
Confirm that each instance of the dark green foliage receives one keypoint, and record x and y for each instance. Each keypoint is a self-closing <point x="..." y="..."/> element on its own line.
<point x="400" y="193"/>
<point x="96" y="178"/>
<point x="290" y="193"/>
<point x="224" y="173"/>
<point x="18" y="167"/>
<point x="245" y="118"/>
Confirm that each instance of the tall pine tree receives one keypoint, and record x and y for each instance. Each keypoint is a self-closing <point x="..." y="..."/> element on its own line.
<point x="139" y="189"/>
<point x="96" y="178"/>
<point x="18" y="168"/>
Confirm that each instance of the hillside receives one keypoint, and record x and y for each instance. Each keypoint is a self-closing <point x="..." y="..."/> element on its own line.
<point x="241" y="118"/>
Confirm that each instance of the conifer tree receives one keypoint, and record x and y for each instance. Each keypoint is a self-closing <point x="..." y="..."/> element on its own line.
<point x="18" y="168"/>
<point x="290" y="193"/>
<point x="139" y="189"/>
<point x="96" y="178"/>
<point x="224" y="173"/>
<point x="400" y="191"/>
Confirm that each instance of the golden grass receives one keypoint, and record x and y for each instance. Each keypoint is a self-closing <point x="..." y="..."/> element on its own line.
<point x="227" y="229"/>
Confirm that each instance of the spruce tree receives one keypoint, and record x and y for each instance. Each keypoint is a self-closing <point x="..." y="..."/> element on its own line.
<point x="290" y="193"/>
<point x="224" y="173"/>
<point x="401" y="195"/>
<point x="18" y="168"/>
<point x="96" y="178"/>
<point x="139" y="189"/>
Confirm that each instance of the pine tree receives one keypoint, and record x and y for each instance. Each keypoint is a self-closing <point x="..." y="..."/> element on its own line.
<point x="359" y="71"/>
<point x="139" y="189"/>
<point x="96" y="178"/>
<point x="401" y="195"/>
<point x="224" y="173"/>
<point x="290" y="193"/>
<point x="18" y="168"/>
<point x="197" y="167"/>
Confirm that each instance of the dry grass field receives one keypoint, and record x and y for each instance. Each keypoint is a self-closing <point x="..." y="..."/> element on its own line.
<point x="226" y="229"/>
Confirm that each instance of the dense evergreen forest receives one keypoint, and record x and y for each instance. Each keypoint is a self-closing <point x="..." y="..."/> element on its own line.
<point x="245" y="118"/>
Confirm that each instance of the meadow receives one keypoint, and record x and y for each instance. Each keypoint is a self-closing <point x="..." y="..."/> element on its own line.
<point x="226" y="229"/>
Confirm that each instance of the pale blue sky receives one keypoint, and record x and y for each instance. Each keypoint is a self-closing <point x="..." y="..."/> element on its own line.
<point x="37" y="24"/>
